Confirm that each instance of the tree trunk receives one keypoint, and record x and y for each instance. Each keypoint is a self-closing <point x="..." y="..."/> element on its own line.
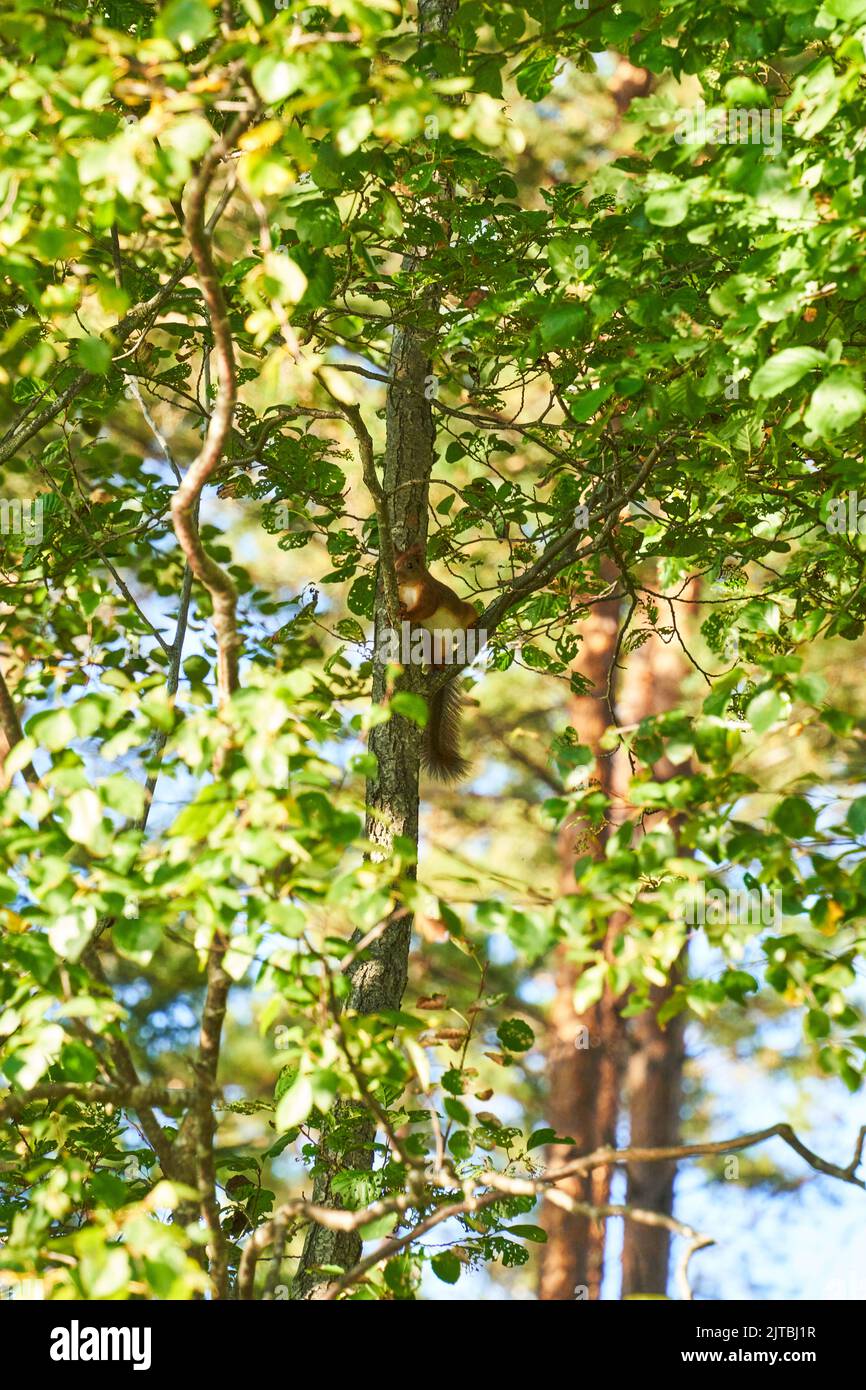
<point x="584" y="1051"/>
<point x="584" y="1084"/>
<point x="378" y="981"/>
<point x="653" y="1082"/>
<point x="654" y="1091"/>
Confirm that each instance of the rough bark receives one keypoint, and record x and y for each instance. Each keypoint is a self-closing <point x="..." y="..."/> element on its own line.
<point x="379" y="979"/>
<point x="583" y="1081"/>
<point x="654" y="1092"/>
<point x="653" y="1083"/>
<point x="586" y="1086"/>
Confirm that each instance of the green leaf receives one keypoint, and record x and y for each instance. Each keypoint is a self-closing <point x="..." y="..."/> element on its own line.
<point x="817" y="1024"/>
<point x="795" y="817"/>
<point x="411" y="706"/>
<point x="93" y="355"/>
<point x="563" y="325"/>
<point x="589" y="987"/>
<point x="460" y="1144"/>
<point x="196" y="668"/>
<point x="765" y="709"/>
<point x="383" y="1226"/>
<point x="295" y="1105"/>
<point x="53" y="730"/>
<point x="286" y="918"/>
<point x="349" y="630"/>
<point x="837" y="403"/>
<point x="446" y="1267"/>
<point x="84" y="810"/>
<point x="104" y="1270"/>
<point x="274" y="78"/>
<point x="745" y="91"/>
<point x="568" y="257"/>
<point x="457" y="1110"/>
<point x="71" y="931"/>
<point x="534" y="1233"/>
<point x="77" y="1062"/>
<point x="535" y="77"/>
<point x="540" y="1137"/>
<point x="361" y="596"/>
<point x="583" y="407"/>
<point x="123" y="795"/>
<point x="201" y="817"/>
<point x="285" y="282"/>
<point x="186" y="23"/>
<point x="667" y="207"/>
<point x="846" y="9"/>
<point x="420" y="1062"/>
<point x="515" y="1035"/>
<point x="856" y="816"/>
<point x="108" y="1190"/>
<point x="137" y="938"/>
<point x="783" y="371"/>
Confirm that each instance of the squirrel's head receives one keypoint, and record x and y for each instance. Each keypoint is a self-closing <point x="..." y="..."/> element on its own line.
<point x="410" y="563"/>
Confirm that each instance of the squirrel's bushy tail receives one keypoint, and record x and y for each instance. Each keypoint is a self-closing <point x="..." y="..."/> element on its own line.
<point x="440" y="750"/>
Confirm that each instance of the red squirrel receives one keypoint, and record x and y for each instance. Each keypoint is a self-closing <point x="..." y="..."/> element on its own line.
<point x="427" y="603"/>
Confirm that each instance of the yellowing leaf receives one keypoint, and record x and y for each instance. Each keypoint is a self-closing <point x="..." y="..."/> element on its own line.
<point x="261" y="137"/>
<point x="11" y="922"/>
<point x="834" y="912"/>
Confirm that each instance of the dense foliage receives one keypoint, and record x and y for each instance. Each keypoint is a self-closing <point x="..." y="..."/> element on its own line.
<point x="646" y="383"/>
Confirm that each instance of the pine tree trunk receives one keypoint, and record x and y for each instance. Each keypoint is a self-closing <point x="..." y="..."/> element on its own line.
<point x="584" y="1085"/>
<point x="654" y="1092"/>
<point x="653" y="1084"/>
<point x="584" y="1051"/>
<point x="378" y="981"/>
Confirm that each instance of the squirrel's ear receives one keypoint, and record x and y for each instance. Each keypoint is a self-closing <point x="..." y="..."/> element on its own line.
<point x="415" y="549"/>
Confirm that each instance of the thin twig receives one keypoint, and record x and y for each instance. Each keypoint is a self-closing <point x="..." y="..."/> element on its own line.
<point x="489" y="1186"/>
<point x="387" y="558"/>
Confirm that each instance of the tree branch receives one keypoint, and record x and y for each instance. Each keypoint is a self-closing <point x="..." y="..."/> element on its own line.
<point x="135" y="1097"/>
<point x="10" y="723"/>
<point x="213" y="1016"/>
<point x="184" y="503"/>
<point x="491" y="1185"/>
<point x="19" y="433"/>
<point x="557" y="556"/>
<point x="387" y="559"/>
<point x="563" y="551"/>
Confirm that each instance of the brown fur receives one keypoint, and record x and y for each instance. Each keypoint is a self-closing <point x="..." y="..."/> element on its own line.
<point x="440" y="751"/>
<point x="425" y="602"/>
<point x="422" y="596"/>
